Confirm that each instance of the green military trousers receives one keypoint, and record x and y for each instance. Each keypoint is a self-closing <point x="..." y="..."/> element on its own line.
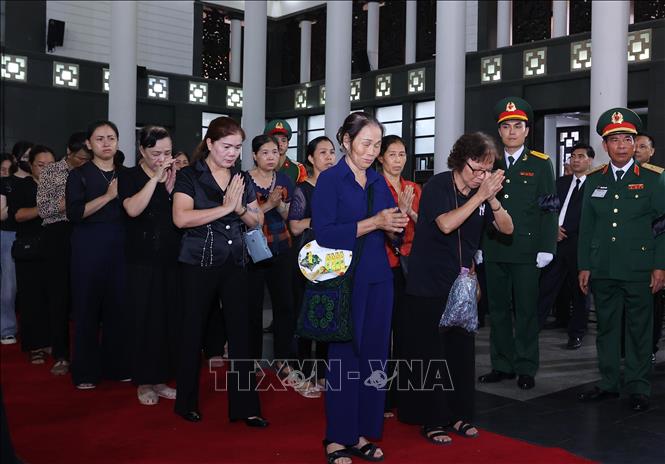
<point x="611" y="298"/>
<point x="513" y="285"/>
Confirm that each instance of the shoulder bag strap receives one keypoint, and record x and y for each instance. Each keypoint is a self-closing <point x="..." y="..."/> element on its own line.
<point x="361" y="240"/>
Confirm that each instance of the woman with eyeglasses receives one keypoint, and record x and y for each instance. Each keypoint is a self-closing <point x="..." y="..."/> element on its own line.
<point x="29" y="253"/>
<point x="455" y="207"/>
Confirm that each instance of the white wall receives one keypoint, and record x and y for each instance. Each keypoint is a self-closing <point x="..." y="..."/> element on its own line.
<point x="165" y="32"/>
<point x="472" y="25"/>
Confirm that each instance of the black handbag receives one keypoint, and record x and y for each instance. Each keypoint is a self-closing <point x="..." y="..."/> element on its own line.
<point x="325" y="315"/>
<point x="28" y="249"/>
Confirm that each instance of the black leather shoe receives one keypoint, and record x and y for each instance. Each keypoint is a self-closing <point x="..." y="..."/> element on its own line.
<point x="596" y="394"/>
<point x="259" y="422"/>
<point x="639" y="402"/>
<point x="526" y="382"/>
<point x="574" y="343"/>
<point x="495" y="376"/>
<point x="191" y="416"/>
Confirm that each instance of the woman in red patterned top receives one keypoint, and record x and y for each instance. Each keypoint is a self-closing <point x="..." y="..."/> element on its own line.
<point x="392" y="158"/>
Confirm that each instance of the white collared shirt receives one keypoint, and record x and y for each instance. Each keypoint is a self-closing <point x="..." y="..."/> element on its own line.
<point x="515" y="156"/>
<point x="564" y="208"/>
<point x="625" y="169"/>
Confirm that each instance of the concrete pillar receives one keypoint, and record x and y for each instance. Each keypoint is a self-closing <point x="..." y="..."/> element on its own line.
<point x="504" y="23"/>
<point x="450" y="71"/>
<point x="122" y="83"/>
<point x="373" y="34"/>
<point x="254" y="75"/>
<point x="559" y="18"/>
<point x="305" y="50"/>
<point x="235" y="62"/>
<point x="411" y="21"/>
<point x="338" y="66"/>
<point x="609" y="69"/>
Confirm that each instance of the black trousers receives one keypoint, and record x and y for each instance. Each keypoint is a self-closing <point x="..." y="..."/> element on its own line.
<point x="215" y="335"/>
<point x="658" y="304"/>
<point x="32" y="303"/>
<point x="57" y="238"/>
<point x="277" y="274"/>
<point x="399" y="286"/>
<point x="437" y="384"/>
<point x="562" y="271"/>
<point x="99" y="292"/>
<point x="201" y="287"/>
<point x="154" y="295"/>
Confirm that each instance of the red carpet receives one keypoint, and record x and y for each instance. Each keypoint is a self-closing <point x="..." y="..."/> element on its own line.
<point x="52" y="422"/>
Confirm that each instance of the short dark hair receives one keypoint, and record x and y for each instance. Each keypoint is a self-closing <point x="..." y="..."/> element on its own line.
<point x="476" y="146"/>
<point x="76" y="142"/>
<point x="9" y="157"/>
<point x="36" y="150"/>
<point x="584" y="146"/>
<point x="119" y="159"/>
<point x="651" y="140"/>
<point x="353" y="124"/>
<point x="149" y="136"/>
<point x="311" y="146"/>
<point x="21" y="147"/>
<point x="181" y="153"/>
<point x="262" y="139"/>
<point x="389" y="140"/>
<point x="101" y="123"/>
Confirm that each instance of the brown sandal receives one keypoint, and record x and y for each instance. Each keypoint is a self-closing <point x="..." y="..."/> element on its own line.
<point x="38" y="356"/>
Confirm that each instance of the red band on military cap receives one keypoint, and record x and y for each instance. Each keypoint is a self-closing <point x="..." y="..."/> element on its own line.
<point x="517" y="114"/>
<point x="624" y="128"/>
<point x="279" y="131"/>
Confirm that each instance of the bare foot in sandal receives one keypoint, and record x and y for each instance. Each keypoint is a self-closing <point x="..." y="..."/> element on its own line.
<point x="164" y="391"/>
<point x="147" y="395"/>
<point x="336" y="453"/>
<point x="435" y="434"/>
<point x="465" y="429"/>
<point x="366" y="450"/>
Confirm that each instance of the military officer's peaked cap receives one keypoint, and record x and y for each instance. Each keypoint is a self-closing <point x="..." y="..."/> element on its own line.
<point x="618" y="121"/>
<point x="513" y="108"/>
<point x="278" y="126"/>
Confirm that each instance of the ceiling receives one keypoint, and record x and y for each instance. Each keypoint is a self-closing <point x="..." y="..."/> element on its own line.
<point x="276" y="8"/>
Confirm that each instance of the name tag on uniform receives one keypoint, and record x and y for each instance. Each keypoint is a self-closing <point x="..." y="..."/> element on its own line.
<point x="600" y="192"/>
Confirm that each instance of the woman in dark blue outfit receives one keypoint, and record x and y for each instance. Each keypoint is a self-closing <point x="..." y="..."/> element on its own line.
<point x="354" y="409"/>
<point x="454" y="208"/>
<point x="98" y="264"/>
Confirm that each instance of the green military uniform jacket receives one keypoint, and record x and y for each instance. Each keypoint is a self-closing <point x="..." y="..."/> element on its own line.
<point x="621" y="231"/>
<point x="529" y="196"/>
<point x="294" y="171"/>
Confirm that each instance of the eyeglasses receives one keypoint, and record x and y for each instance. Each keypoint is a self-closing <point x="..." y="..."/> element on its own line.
<point x="479" y="172"/>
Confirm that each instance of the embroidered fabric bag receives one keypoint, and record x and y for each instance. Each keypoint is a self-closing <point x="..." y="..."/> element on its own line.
<point x="325" y="315"/>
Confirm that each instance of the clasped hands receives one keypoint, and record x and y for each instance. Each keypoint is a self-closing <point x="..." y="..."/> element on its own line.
<point x="233" y="195"/>
<point x="391" y="220"/>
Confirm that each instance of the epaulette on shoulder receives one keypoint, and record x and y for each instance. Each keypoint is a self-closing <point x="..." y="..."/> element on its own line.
<point x="597" y="169"/>
<point x="652" y="167"/>
<point x="540" y="155"/>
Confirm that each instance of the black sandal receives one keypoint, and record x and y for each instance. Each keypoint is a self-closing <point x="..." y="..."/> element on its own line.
<point x="430" y="433"/>
<point x="463" y="428"/>
<point x="366" y="452"/>
<point x="334" y="455"/>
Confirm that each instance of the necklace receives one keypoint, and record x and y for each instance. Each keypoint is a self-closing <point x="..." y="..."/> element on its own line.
<point x="103" y="174"/>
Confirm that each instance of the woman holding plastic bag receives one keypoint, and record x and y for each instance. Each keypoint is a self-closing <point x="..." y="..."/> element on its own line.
<point x="438" y="362"/>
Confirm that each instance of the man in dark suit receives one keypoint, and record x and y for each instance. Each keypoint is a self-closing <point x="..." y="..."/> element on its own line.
<point x="561" y="273"/>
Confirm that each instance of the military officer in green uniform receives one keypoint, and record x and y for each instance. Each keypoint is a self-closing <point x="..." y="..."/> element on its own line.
<point x="281" y="130"/>
<point x="513" y="262"/>
<point x="621" y="256"/>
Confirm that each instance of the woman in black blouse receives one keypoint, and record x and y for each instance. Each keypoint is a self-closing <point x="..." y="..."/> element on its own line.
<point x="98" y="264"/>
<point x="214" y="202"/>
<point x="30" y="257"/>
<point x="152" y="256"/>
<point x="454" y="208"/>
<point x="320" y="156"/>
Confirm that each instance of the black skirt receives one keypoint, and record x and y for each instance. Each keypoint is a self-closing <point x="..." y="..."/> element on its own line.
<point x="437" y="370"/>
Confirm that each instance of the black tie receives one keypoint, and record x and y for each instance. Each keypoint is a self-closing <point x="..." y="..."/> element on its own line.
<point x="567" y="218"/>
<point x="619" y="174"/>
<point x="511" y="162"/>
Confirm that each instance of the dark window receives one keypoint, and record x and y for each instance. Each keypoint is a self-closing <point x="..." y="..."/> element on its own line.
<point x="646" y="10"/>
<point x="215" y="44"/>
<point x="531" y="20"/>
<point x="426" y="27"/>
<point x="359" y="61"/>
<point x="318" y="60"/>
<point x="392" y="30"/>
<point x="283" y="52"/>
<point x="580" y="16"/>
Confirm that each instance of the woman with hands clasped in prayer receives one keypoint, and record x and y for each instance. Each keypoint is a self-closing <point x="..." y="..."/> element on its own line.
<point x="214" y="204"/>
<point x="454" y="209"/>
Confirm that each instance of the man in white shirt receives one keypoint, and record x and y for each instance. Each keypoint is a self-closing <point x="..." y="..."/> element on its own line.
<point x="561" y="274"/>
